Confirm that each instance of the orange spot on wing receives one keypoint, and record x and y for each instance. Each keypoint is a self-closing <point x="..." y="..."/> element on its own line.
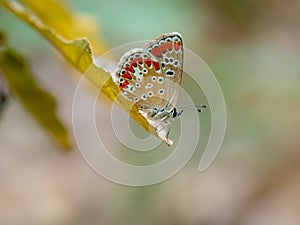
<point x="156" y="52"/>
<point x="163" y="47"/>
<point x="127" y="76"/>
<point x="148" y="62"/>
<point x="140" y="60"/>
<point x="169" y="45"/>
<point x="130" y="69"/>
<point x="123" y="84"/>
<point x="177" y="45"/>
<point x="156" y="65"/>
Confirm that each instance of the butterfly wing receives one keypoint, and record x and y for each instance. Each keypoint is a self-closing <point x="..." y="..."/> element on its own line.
<point x="168" y="50"/>
<point x="151" y="77"/>
<point x="141" y="79"/>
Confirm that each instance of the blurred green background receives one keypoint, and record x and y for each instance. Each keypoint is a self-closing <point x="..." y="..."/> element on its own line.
<point x="253" y="47"/>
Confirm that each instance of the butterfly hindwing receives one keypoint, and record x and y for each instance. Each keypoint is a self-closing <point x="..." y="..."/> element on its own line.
<point x="151" y="76"/>
<point x="141" y="79"/>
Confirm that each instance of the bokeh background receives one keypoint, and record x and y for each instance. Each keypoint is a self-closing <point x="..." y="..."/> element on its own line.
<point x="252" y="47"/>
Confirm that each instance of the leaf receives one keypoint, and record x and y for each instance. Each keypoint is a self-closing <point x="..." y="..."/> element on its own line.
<point x="79" y="54"/>
<point x="38" y="102"/>
<point x="64" y="22"/>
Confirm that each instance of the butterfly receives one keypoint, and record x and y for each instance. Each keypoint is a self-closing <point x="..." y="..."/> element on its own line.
<point x="150" y="77"/>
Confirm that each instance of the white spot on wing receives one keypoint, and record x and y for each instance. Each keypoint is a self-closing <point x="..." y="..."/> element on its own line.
<point x="144" y="96"/>
<point x="149" y="85"/>
<point x="161" y="91"/>
<point x="160" y="80"/>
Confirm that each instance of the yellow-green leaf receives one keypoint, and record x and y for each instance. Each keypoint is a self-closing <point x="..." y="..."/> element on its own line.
<point x="38" y="102"/>
<point x="64" y="22"/>
<point x="79" y="54"/>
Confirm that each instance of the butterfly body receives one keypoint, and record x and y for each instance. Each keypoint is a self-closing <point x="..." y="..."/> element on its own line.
<point x="150" y="77"/>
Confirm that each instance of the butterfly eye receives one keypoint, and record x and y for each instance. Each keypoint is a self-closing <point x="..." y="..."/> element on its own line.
<point x="161" y="42"/>
<point x="123" y="71"/>
<point x="144" y="56"/>
<point x="121" y="80"/>
<point x="153" y="79"/>
<point x="130" y="58"/>
<point x="137" y="55"/>
<point x="155" y="46"/>
<point x="168" y="39"/>
<point x="145" y="70"/>
<point x="126" y="64"/>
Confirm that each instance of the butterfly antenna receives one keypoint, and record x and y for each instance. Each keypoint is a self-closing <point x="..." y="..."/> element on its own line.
<point x="199" y="108"/>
